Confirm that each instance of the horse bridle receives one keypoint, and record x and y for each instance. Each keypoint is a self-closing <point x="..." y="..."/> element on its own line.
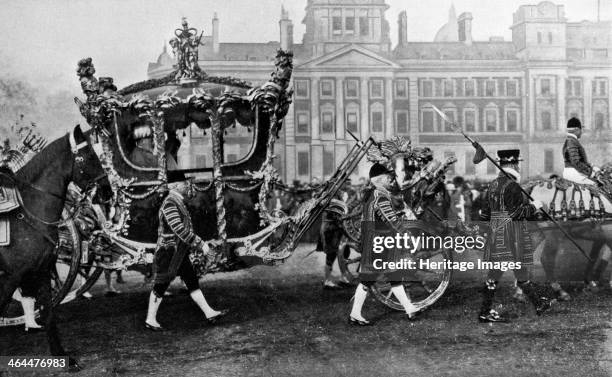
<point x="79" y="160"/>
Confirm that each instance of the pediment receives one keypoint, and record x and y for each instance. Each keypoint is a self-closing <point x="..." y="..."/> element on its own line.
<point x="351" y="56"/>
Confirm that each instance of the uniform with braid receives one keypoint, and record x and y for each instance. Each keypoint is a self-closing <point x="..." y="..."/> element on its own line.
<point x="175" y="239"/>
<point x="577" y="168"/>
<point x="378" y="209"/>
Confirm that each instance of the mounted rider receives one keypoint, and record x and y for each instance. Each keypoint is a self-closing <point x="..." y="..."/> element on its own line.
<point x="506" y="208"/>
<point x="577" y="168"/>
<point x="175" y="240"/>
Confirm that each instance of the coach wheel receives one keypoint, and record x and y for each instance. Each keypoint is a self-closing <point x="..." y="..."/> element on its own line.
<point x="349" y="260"/>
<point x="425" y="287"/>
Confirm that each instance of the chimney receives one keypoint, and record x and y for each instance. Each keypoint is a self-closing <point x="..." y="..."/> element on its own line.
<point x="286" y="30"/>
<point x="215" y="34"/>
<point x="465" y="28"/>
<point x="402" y="23"/>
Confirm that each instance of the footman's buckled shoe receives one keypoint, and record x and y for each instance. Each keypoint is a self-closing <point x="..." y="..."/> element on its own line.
<point x="359" y="322"/>
<point x="492" y="317"/>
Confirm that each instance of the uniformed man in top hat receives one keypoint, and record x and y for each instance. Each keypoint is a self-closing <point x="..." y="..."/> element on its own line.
<point x="507" y="208"/>
<point x="577" y="168"/>
<point x="175" y="239"/>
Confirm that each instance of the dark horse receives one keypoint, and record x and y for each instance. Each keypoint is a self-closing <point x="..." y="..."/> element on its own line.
<point x="42" y="184"/>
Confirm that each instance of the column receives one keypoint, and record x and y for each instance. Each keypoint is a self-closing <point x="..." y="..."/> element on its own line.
<point x="531" y="83"/>
<point x="587" y="121"/>
<point x="364" y="104"/>
<point x="561" y="117"/>
<point x="389" y="116"/>
<point x="339" y="109"/>
<point x="413" y="106"/>
<point x="314" y="108"/>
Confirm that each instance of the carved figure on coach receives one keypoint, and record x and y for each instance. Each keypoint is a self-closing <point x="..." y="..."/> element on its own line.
<point x="506" y="208"/>
<point x="175" y="239"/>
<point x="577" y="168"/>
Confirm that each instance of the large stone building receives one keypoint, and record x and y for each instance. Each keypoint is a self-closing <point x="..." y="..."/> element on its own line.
<point x="348" y="77"/>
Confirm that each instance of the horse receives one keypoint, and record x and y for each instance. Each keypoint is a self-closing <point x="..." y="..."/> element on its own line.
<point x="584" y="211"/>
<point x="41" y="187"/>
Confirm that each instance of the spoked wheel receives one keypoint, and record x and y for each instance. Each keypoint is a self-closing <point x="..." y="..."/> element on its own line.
<point x="425" y="287"/>
<point x="349" y="259"/>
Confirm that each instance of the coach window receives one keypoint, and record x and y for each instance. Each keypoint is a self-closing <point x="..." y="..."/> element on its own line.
<point x="301" y="88"/>
<point x="428" y="120"/>
<point x="303" y="123"/>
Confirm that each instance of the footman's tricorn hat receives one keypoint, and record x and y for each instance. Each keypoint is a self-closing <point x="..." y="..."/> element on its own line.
<point x="378" y="169"/>
<point x="509" y="156"/>
<point x="574" y="123"/>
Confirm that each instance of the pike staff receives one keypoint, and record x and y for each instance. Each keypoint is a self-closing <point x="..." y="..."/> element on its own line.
<point x="481" y="154"/>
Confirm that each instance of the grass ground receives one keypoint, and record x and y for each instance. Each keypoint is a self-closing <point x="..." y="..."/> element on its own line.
<point x="283" y="324"/>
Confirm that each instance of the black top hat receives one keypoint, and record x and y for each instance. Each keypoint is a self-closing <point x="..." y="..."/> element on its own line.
<point x="509" y="156"/>
<point x="574" y="123"/>
<point x="378" y="169"/>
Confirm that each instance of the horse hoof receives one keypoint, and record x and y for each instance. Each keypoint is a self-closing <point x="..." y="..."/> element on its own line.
<point x="73" y="365"/>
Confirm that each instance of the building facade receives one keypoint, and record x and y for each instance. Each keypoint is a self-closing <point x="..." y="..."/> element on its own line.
<point x="348" y="77"/>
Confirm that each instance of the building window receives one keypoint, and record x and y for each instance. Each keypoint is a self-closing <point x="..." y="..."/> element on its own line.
<point x="428" y="121"/>
<point x="328" y="162"/>
<point x="539" y="37"/>
<point x="352" y="88"/>
<point x="490" y="88"/>
<point x="546" y="120"/>
<point x="337" y="25"/>
<point x="448" y="88"/>
<point x="427" y="88"/>
<point x="376" y="89"/>
<point x="303" y="124"/>
<point x="599" y="121"/>
<point x="352" y="121"/>
<point x="364" y="26"/>
<point x="600" y="88"/>
<point x="470" y="168"/>
<point x="469" y="120"/>
<point x="401" y="89"/>
<point x="301" y="88"/>
<point x="327" y="122"/>
<point x="550" y="38"/>
<point x="470" y="88"/>
<point x="451" y="115"/>
<point x="377" y="121"/>
<point x="574" y="88"/>
<point x="349" y="25"/>
<point x="549" y="161"/>
<point x="545" y="87"/>
<point x="303" y="163"/>
<point x="491" y="120"/>
<point x="511" y="88"/>
<point x="327" y="89"/>
<point x="600" y="53"/>
<point x="451" y="168"/>
<point x="512" y="117"/>
<point x="401" y="122"/>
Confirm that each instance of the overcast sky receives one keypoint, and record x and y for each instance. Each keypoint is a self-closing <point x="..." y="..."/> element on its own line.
<point x="46" y="38"/>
